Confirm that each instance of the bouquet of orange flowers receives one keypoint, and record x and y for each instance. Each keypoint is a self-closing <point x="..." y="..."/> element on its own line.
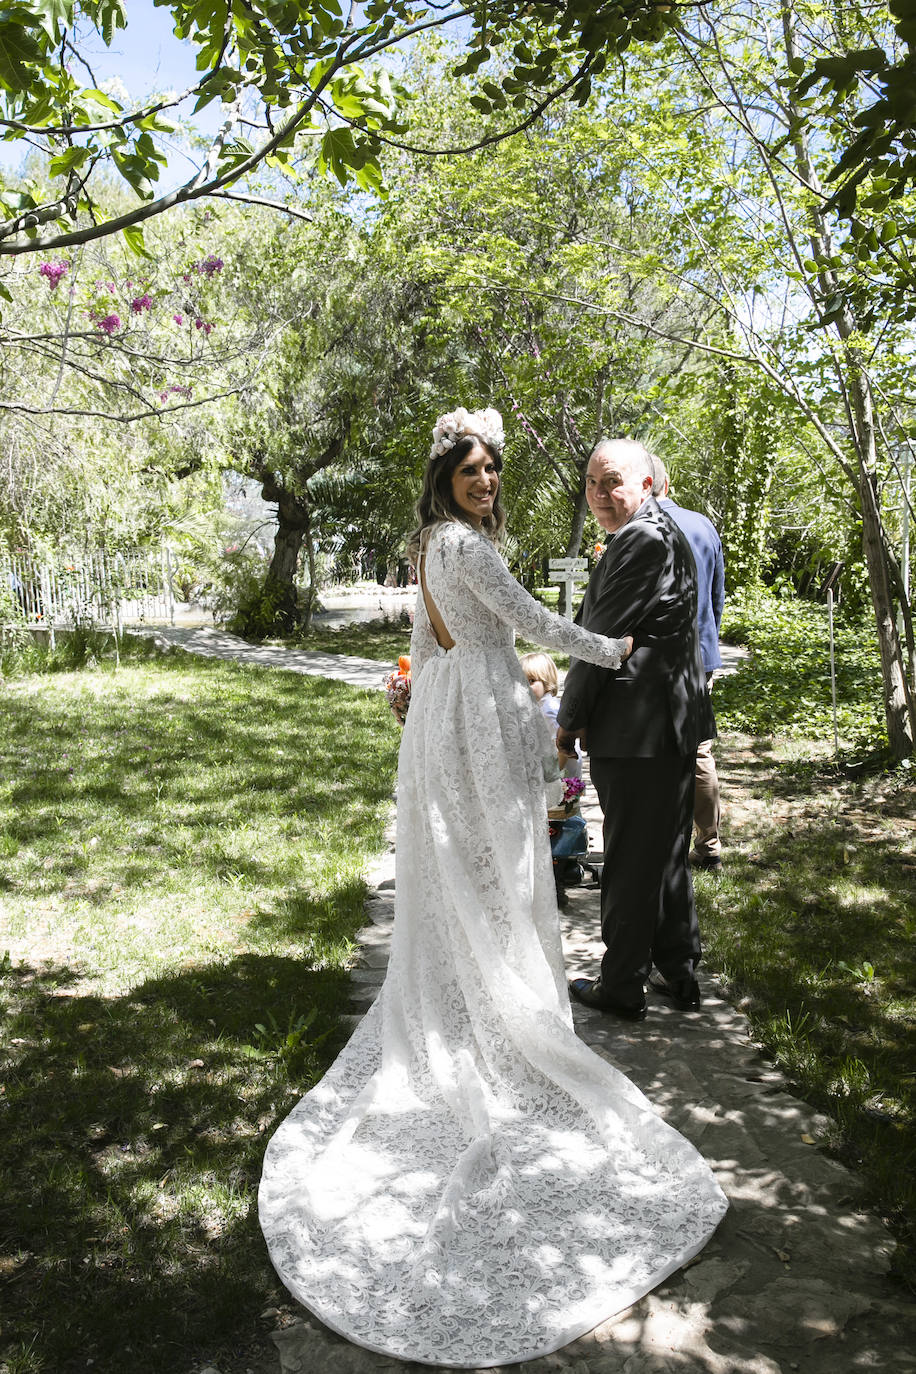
<point x="397" y="689"/>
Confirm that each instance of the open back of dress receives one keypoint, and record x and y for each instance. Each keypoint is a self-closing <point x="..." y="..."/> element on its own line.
<point x="437" y="624"/>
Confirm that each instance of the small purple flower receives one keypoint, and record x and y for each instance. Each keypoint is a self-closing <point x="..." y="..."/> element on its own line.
<point x="109" y="325"/>
<point x="210" y="265"/>
<point x="54" y="271"/>
<point x="141" y="303"/>
<point x="176" y="389"/>
<point x="572" y="788"/>
<point x="178" y="318"/>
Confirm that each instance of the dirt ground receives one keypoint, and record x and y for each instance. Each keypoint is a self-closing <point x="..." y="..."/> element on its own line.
<point x="768" y="787"/>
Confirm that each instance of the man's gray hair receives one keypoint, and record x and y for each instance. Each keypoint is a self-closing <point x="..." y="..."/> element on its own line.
<point x="659" y="475"/>
<point x="637" y="453"/>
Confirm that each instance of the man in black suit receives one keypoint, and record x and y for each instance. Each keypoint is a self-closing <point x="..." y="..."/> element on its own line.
<point x="641" y="726"/>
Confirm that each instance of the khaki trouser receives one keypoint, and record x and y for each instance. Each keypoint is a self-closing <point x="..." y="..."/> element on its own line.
<point x="706" y="809"/>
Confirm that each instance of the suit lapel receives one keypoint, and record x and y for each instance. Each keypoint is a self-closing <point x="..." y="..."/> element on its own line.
<point x="591" y="590"/>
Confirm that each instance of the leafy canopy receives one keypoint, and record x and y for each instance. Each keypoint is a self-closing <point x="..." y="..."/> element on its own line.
<point x="290" y="69"/>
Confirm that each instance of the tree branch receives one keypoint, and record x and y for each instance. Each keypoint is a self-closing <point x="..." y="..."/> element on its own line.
<point x="191" y="190"/>
<point x="156" y="412"/>
<point x="262" y="200"/>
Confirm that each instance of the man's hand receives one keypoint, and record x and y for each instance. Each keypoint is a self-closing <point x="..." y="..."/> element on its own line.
<point x="566" y="740"/>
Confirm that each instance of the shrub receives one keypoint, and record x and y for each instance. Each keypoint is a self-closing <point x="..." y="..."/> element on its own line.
<point x="785" y="687"/>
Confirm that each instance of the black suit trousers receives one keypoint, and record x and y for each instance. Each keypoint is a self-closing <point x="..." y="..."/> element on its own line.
<point x="648" y="913"/>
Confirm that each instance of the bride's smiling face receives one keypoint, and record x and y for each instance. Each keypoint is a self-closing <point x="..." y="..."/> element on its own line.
<point x="475" y="483"/>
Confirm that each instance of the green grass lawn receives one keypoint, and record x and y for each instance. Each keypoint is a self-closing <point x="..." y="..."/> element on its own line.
<point x="384" y="640"/>
<point x="181" y="851"/>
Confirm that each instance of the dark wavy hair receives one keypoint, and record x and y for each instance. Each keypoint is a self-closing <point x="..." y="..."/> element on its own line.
<point x="437" y="502"/>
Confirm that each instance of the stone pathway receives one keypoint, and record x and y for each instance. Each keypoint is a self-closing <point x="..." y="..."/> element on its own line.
<point x="795" y="1277"/>
<point x="213" y="642"/>
<point x="793" y="1280"/>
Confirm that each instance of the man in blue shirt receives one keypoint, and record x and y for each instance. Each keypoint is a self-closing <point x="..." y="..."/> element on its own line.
<point x="704" y="541"/>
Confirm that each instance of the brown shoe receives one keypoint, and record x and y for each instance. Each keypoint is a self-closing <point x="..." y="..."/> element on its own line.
<point x="709" y="863"/>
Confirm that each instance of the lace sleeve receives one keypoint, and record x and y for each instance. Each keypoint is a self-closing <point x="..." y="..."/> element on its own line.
<point x="486" y="575"/>
<point x="422" y="639"/>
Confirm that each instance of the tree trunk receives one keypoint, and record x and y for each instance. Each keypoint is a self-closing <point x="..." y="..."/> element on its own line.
<point x="576" y="531"/>
<point x="899" y="704"/>
<point x="579" y="517"/>
<point x="851" y="368"/>
<point x="280" y="582"/>
<point x="311" y="595"/>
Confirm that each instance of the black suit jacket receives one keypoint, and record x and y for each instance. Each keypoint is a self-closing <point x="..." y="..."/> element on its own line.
<point x="657" y="703"/>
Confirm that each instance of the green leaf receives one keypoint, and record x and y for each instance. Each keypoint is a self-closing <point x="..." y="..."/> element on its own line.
<point x="369" y="177"/>
<point x="20" y="52"/>
<point x="157" y="124"/>
<point x="68" y="161"/>
<point x="204" y="99"/>
<point x="100" y="98"/>
<point x="338" y="154"/>
<point x="112" y="14"/>
<point x="55" y="16"/>
<point x="135" y="172"/>
<point x="133" y="237"/>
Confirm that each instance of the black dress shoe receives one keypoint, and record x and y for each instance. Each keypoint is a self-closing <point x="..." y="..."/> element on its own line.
<point x="590" y="994"/>
<point x="685" y="993"/>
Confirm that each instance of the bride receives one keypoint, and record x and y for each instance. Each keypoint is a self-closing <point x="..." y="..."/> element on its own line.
<point x="469" y="1185"/>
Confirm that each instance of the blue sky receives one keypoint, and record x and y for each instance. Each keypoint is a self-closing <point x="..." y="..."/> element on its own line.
<point x="146" y="55"/>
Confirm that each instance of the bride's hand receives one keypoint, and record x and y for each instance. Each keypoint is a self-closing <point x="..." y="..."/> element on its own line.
<point x="627" y="642"/>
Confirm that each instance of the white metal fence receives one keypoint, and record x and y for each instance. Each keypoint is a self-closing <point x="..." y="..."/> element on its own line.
<point x="99" y="589"/>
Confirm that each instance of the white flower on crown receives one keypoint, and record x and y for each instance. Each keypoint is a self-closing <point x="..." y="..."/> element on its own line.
<point x="485" y="424"/>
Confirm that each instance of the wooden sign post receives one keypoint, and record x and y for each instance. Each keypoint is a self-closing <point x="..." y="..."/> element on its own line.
<point x="568" y="571"/>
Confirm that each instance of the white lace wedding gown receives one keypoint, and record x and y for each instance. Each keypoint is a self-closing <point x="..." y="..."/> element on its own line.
<point x="469" y="1185"/>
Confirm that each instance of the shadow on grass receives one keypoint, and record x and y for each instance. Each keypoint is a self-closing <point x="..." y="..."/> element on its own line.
<point x="133" y="1131"/>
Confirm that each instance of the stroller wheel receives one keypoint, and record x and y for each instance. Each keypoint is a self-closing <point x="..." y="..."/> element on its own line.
<point x="594" y="870"/>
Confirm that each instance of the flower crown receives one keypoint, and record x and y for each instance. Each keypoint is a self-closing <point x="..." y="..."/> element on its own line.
<point x="458" y="424"/>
